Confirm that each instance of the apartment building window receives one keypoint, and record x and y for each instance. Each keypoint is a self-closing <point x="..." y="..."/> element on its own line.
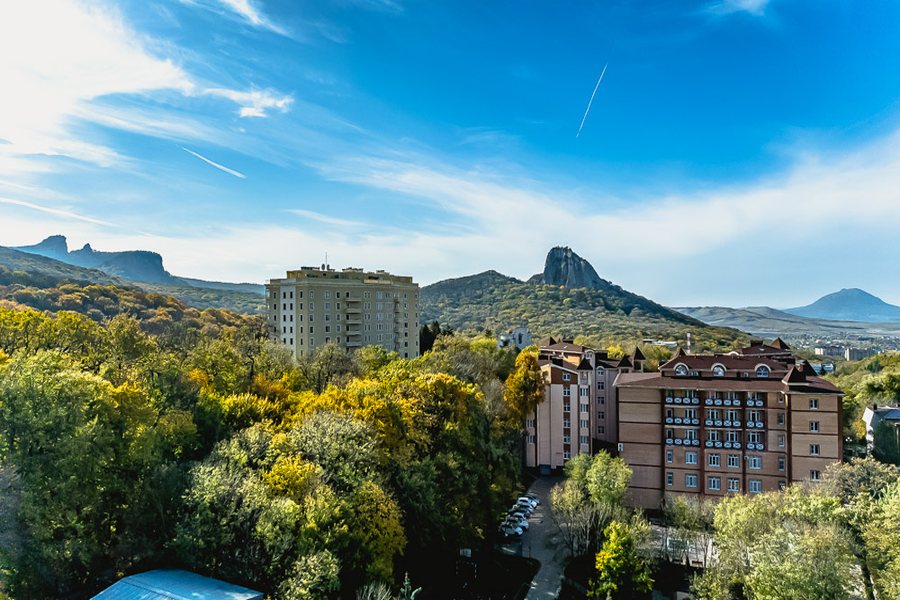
<point x="328" y="340"/>
<point x="366" y="295"/>
<point x="283" y="295"/>
<point x="762" y="372"/>
<point x="567" y="455"/>
<point x="734" y="461"/>
<point x="337" y="328"/>
<point x="670" y="412"/>
<point x="781" y="463"/>
<point x="781" y="441"/>
<point x="584" y="407"/>
<point x="754" y="462"/>
<point x="780" y="418"/>
<point x="670" y="456"/>
<point x="583" y="439"/>
<point x="732" y="415"/>
<point x="754" y="437"/>
<point x="328" y="329"/>
<point x="601" y="400"/>
<point x="813" y="404"/>
<point x="754" y="415"/>
<point x="601" y="385"/>
<point x="328" y="294"/>
<point x="601" y="429"/>
<point x="312" y="306"/>
<point x="327" y="305"/>
<point x="312" y="294"/>
<point x="583" y="392"/>
<point x="714" y="460"/>
<point x="585" y="424"/>
<point x="690" y="458"/>
<point x="713" y="413"/>
<point x="691" y="434"/>
<point x="567" y="377"/>
<point x="690" y="480"/>
<point x="529" y="423"/>
<point x="755" y="486"/>
<point x="283" y="329"/>
<point x="567" y="392"/>
<point x="292" y="341"/>
<point x="567" y="439"/>
<point x="284" y="306"/>
<point x="731" y="436"/>
<point x="567" y="423"/>
<point x="712" y="435"/>
<point x="531" y="438"/>
<point x="670" y="479"/>
<point x="690" y="413"/>
<point x="601" y="415"/>
<point x="814" y="475"/>
<point x="814" y="450"/>
<point x="311" y="329"/>
<point x="734" y="485"/>
<point x="814" y="426"/>
<point x="714" y="483"/>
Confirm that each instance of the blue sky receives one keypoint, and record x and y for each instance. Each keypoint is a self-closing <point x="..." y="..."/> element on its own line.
<point x="737" y="152"/>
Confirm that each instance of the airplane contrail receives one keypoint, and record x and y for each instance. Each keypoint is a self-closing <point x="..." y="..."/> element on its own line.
<point x="215" y="164"/>
<point x="591" y="101"/>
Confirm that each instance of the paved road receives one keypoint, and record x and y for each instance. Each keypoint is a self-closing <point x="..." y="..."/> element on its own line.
<point x="542" y="542"/>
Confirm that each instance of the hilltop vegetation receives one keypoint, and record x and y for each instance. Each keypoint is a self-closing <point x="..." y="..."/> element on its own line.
<point x="610" y="315"/>
<point x="125" y="446"/>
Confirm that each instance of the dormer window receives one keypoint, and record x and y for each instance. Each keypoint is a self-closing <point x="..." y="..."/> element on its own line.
<point x="681" y="369"/>
<point x="762" y="371"/>
<point x="718" y="371"/>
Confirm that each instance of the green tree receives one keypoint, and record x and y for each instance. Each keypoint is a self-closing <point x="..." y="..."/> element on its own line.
<point x="524" y="387"/>
<point x="622" y="571"/>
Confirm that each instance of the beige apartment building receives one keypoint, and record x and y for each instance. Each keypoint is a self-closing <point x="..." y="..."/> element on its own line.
<point x="352" y="308"/>
<point x="711" y="425"/>
<point x="578" y="413"/>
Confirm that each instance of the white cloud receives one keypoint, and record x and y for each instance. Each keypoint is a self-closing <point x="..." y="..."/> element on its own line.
<point x="58" y="56"/>
<point x="254" y="103"/>
<point x="56" y="212"/>
<point x="250" y="13"/>
<point x="726" y="7"/>
<point x="326" y="219"/>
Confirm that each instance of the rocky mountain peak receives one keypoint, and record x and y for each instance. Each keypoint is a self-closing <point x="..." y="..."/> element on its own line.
<point x="564" y="267"/>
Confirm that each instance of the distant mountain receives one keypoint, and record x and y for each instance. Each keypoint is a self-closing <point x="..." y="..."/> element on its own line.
<point x="549" y="303"/>
<point x="50" y="263"/>
<point x="564" y="267"/>
<point x="769" y="322"/>
<point x="46" y="271"/>
<point x="851" y="304"/>
<point x="137" y="265"/>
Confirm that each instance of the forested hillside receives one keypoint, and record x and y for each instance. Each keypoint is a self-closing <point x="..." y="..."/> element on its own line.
<point x="493" y="301"/>
<point x="126" y="444"/>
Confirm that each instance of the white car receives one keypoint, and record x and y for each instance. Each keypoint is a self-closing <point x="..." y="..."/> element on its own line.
<point x="521" y="508"/>
<point x="509" y="530"/>
<point x="517" y="521"/>
<point x="531" y="501"/>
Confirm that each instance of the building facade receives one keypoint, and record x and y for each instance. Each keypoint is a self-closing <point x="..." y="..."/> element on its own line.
<point x="711" y="425"/>
<point x="578" y="413"/>
<point x="352" y="308"/>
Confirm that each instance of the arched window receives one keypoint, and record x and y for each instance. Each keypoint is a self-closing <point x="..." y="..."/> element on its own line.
<point x="762" y="371"/>
<point x="681" y="369"/>
<point x="718" y="371"/>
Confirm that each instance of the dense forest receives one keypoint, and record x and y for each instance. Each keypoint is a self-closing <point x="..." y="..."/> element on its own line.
<point x="169" y="436"/>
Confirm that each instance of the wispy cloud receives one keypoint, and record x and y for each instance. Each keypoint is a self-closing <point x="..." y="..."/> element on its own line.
<point x="54" y="211"/>
<point x="727" y="7"/>
<point x="254" y="103"/>
<point x="246" y="10"/>
<point x="237" y="174"/>
<point x="323" y="218"/>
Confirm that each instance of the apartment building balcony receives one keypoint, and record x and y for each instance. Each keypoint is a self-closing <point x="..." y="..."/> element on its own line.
<point x="721" y="444"/>
<point x="353" y="310"/>
<point x="681" y="421"/>
<point x="354" y="343"/>
<point x="723" y="402"/>
<point x="353" y="332"/>
<point x="730" y="423"/>
<point x="682" y="442"/>
<point x="682" y="400"/>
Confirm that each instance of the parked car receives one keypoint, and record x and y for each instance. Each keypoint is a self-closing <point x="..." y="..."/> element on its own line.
<point x="510" y="531"/>
<point x="523" y="499"/>
<point x="517" y="522"/>
<point x="525" y="505"/>
<point x="519" y="508"/>
<point x="533" y="498"/>
<point x="518" y="514"/>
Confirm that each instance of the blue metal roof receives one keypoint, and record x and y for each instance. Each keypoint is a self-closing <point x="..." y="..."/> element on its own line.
<point x="175" y="584"/>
